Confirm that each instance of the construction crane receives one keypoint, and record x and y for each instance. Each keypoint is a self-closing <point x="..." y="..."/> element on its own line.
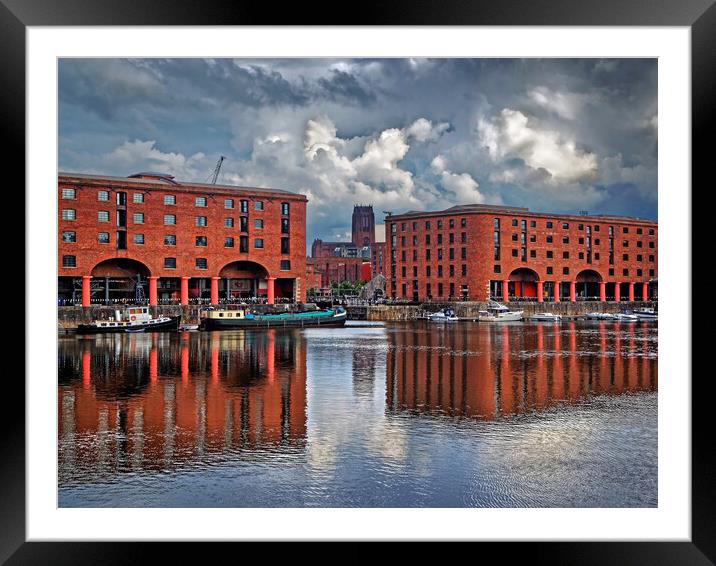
<point x="215" y="176"/>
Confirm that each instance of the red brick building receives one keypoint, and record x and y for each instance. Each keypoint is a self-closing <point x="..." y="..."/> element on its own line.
<point x="329" y="270"/>
<point x="151" y="237"/>
<point x="480" y="251"/>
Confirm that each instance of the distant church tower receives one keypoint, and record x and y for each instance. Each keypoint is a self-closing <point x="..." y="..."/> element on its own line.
<point x="363" y="233"/>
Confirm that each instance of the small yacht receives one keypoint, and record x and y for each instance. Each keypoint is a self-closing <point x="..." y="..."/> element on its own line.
<point x="443" y="315"/>
<point x="646" y="313"/>
<point x="132" y="319"/>
<point x="600" y="316"/>
<point x="546" y="317"/>
<point x="625" y="316"/>
<point x="497" y="312"/>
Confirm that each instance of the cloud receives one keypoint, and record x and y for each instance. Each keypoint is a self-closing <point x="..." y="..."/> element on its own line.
<point x="567" y="105"/>
<point x="422" y="130"/>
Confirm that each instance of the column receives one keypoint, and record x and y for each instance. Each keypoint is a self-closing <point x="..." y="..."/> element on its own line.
<point x="602" y="291"/>
<point x="573" y="291"/>
<point x="540" y="298"/>
<point x="153" y="291"/>
<point x="86" y="290"/>
<point x="556" y="291"/>
<point x="270" y="296"/>
<point x="215" y="290"/>
<point x="644" y="291"/>
<point x="631" y="291"/>
<point x="505" y="291"/>
<point x="617" y="291"/>
<point x="184" y="291"/>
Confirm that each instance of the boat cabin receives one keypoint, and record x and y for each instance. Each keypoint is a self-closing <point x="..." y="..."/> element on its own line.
<point x="227" y="313"/>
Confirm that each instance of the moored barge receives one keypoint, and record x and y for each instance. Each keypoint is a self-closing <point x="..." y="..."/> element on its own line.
<point x="132" y="319"/>
<point x="222" y="319"/>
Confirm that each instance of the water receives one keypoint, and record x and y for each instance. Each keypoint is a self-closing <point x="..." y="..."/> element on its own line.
<point x="372" y="415"/>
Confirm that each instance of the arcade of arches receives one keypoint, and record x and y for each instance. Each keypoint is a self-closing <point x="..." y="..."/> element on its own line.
<point x="588" y="285"/>
<point x="127" y="280"/>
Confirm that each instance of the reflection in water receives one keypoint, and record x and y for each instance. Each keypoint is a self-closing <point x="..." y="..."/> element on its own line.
<point x="501" y="370"/>
<point x="157" y="401"/>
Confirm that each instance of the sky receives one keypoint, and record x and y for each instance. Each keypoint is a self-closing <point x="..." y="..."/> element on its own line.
<point x="554" y="135"/>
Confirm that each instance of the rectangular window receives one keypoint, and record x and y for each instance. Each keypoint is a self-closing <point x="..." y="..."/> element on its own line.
<point x="201" y="221"/>
<point x="651" y="258"/>
<point x="170" y="219"/>
<point x="243" y="244"/>
<point x="228" y="203"/>
<point x="565" y="225"/>
<point x="463" y="222"/>
<point x="69" y="214"/>
<point x="651" y="231"/>
<point x="549" y="239"/>
<point x="496" y="268"/>
<point x="258" y="205"/>
<point x="625" y="257"/>
<point x="514" y="221"/>
<point x="452" y="271"/>
<point x="122" y="218"/>
<point x="103" y="238"/>
<point x="427" y="239"/>
<point x="103" y="196"/>
<point x="565" y="271"/>
<point x="121" y="240"/>
<point x="201" y="241"/>
<point x="201" y="263"/>
<point x="427" y="271"/>
<point x="565" y="240"/>
<point x="565" y="255"/>
<point x="285" y="265"/>
<point x="533" y="224"/>
<point x="121" y="198"/>
<point x="550" y="254"/>
<point x="581" y="255"/>
<point x="69" y="237"/>
<point x="170" y="240"/>
<point x="464" y="269"/>
<point x="427" y="224"/>
<point x="170" y="200"/>
<point x="625" y="230"/>
<point x="549" y="225"/>
<point x="68" y="194"/>
<point x="284" y="208"/>
<point x="550" y="270"/>
<point x="170" y="263"/>
<point x="638" y="273"/>
<point x="625" y="272"/>
<point x="139" y="239"/>
<point x="258" y="243"/>
<point x="103" y="216"/>
<point x="403" y="271"/>
<point x="228" y="242"/>
<point x="285" y="245"/>
<point x="596" y="256"/>
<point x="258" y="223"/>
<point x="284" y="226"/>
<point x="200" y="201"/>
<point x="138" y="218"/>
<point x="228" y="222"/>
<point x="69" y="261"/>
<point x="244" y="206"/>
<point x="138" y="198"/>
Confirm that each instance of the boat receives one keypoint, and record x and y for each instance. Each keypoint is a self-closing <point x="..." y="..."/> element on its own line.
<point x="646" y="313"/>
<point x="497" y="312"/>
<point x="188" y="327"/>
<point x="131" y="319"/>
<point x="242" y="317"/>
<point x="625" y="316"/>
<point x="443" y="315"/>
<point x="546" y="317"/>
<point x="600" y="316"/>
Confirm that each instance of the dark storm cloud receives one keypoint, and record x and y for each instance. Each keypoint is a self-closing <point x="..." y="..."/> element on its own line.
<point x="344" y="87"/>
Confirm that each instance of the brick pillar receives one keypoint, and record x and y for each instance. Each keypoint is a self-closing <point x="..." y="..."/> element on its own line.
<point x="505" y="291"/>
<point x="86" y="290"/>
<point x="573" y="291"/>
<point x="602" y="291"/>
<point x="556" y="291"/>
<point x="215" y="290"/>
<point x="153" y="291"/>
<point x="644" y="291"/>
<point x="631" y="291"/>
<point x="184" y="291"/>
<point x="540" y="298"/>
<point x="617" y="291"/>
<point x="270" y="296"/>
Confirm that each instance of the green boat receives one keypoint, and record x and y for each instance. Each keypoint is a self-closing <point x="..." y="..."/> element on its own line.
<point x="221" y="319"/>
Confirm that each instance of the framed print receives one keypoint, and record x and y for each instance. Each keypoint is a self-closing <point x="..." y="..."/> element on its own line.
<point x="389" y="280"/>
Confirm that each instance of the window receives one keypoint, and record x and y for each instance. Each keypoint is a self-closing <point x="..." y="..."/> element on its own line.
<point x="427" y="239"/>
<point x="625" y="272"/>
<point x="69" y="237"/>
<point x="639" y="231"/>
<point x="427" y="224"/>
<point x="515" y="253"/>
<point x="243" y="224"/>
<point x="69" y="261"/>
<point x="596" y="228"/>
<point x="625" y="230"/>
<point x="415" y="271"/>
<point x="514" y="237"/>
<point x="415" y="240"/>
<point x="284" y="209"/>
<point x="580" y="226"/>
<point x="581" y="240"/>
<point x="228" y="203"/>
<point x="452" y="253"/>
<point x="581" y="255"/>
<point x="651" y="244"/>
<point x="228" y="222"/>
<point x="639" y="244"/>
<point x="103" y="238"/>
<point x="451" y="223"/>
<point x="440" y="238"/>
<point x="639" y="257"/>
<point x="440" y="224"/>
<point x="244" y="206"/>
<point x="625" y="243"/>
<point x="402" y="227"/>
<point x="121" y="240"/>
<point x="523" y="225"/>
<point x="69" y="214"/>
<point x="550" y="271"/>
<point x="228" y="242"/>
<point x="285" y="265"/>
<point x="452" y="271"/>
<point x="138" y="198"/>
<point x="565" y="255"/>
<point x="170" y="263"/>
<point x="549" y="239"/>
<point x="258" y="223"/>
<point x="651" y="273"/>
<point x="284" y="226"/>
<point x="651" y="231"/>
<point x="170" y="219"/>
<point x="201" y="263"/>
<point x="201" y="220"/>
<point x="138" y="239"/>
<point x="651" y="258"/>
<point x="170" y="240"/>
<point x="565" y="271"/>
<point x="68" y="194"/>
<point x="533" y="224"/>
<point x="138" y="218"/>
<point x="533" y="238"/>
<point x="103" y="216"/>
<point x="625" y="257"/>
<point x="170" y="200"/>
<point x="258" y="243"/>
<point x="121" y="198"/>
<point x="415" y="255"/>
<point x="103" y="196"/>
<point x="565" y="240"/>
<point x="243" y="244"/>
<point x="403" y="271"/>
<point x="285" y="245"/>
<point x="464" y="269"/>
<point x="258" y="205"/>
<point x="463" y="237"/>
<point x="201" y="241"/>
<point x="596" y="256"/>
<point x="463" y="222"/>
<point x="514" y="221"/>
<point x="549" y="225"/>
<point x="496" y="268"/>
<point x="440" y="270"/>
<point x="550" y="254"/>
<point x="565" y="225"/>
<point x="533" y="253"/>
<point x="200" y="201"/>
<point x="596" y="241"/>
<point x="639" y="273"/>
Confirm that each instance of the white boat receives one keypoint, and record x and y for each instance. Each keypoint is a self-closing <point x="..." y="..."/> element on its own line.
<point x="443" y="315"/>
<point x="646" y="313"/>
<point x="187" y="327"/>
<point x="546" y="317"/>
<point x="497" y="312"/>
<point x="131" y="319"/>
<point x="600" y="316"/>
<point x="625" y="316"/>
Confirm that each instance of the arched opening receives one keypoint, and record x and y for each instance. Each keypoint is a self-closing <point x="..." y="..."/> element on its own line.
<point x="587" y="285"/>
<point x="523" y="284"/>
<point x="242" y="280"/>
<point x="119" y="280"/>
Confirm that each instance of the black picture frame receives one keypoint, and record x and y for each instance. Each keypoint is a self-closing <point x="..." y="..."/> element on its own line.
<point x="699" y="15"/>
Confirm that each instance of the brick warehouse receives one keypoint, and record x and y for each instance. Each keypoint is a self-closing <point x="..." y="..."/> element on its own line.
<point x="151" y="237"/>
<point x="477" y="252"/>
